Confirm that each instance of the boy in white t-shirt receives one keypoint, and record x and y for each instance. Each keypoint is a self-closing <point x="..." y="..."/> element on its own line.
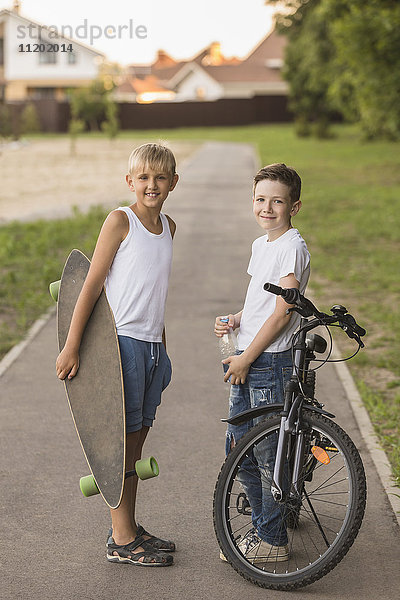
<point x="264" y="363"/>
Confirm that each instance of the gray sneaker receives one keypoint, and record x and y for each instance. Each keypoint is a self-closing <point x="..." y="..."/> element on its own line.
<point x="257" y="551"/>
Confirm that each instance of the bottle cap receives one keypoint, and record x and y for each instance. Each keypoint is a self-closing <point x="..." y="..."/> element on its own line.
<point x="225" y="320"/>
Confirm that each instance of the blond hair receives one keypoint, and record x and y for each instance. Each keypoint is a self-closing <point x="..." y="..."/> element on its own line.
<point x="155" y="156"/>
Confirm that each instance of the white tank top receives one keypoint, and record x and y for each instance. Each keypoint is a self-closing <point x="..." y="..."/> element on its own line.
<point x="137" y="282"/>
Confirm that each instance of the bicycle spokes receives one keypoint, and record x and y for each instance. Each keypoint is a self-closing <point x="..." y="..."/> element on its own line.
<point x="314" y="513"/>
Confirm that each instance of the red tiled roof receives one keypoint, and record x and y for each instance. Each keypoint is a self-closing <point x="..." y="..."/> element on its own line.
<point x="139" y="86"/>
<point x="258" y="66"/>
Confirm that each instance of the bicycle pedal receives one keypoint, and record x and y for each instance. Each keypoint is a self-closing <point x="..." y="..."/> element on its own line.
<point x="242" y="505"/>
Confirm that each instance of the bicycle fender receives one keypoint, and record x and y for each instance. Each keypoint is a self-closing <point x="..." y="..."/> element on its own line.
<point x="320" y="411"/>
<point x="253" y="413"/>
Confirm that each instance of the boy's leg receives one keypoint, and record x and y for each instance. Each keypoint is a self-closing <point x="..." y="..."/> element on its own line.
<point x="123" y="518"/>
<point x="249" y="474"/>
<point x="135" y="480"/>
<point x="136" y="357"/>
<point x="266" y="383"/>
<point x="133" y="367"/>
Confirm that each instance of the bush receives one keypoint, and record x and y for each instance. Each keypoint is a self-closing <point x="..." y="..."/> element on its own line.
<point x="5" y="121"/>
<point x="29" y="120"/>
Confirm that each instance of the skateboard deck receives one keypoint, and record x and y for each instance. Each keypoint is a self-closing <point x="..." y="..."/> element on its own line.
<point x="95" y="395"/>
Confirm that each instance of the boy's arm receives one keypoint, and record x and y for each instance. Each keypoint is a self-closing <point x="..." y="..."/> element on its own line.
<point x="172" y="228"/>
<point x="239" y="365"/>
<point x="111" y="235"/>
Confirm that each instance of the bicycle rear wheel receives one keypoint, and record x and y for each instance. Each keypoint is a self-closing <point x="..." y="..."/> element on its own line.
<point x="321" y="525"/>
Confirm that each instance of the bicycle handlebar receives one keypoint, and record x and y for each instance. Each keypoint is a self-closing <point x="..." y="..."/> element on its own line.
<point x="307" y="309"/>
<point x="292" y="296"/>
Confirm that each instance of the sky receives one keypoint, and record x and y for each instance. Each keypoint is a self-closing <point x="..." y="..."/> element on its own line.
<point x="180" y="27"/>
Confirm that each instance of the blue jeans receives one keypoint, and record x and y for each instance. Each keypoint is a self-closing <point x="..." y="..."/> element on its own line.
<point x="264" y="385"/>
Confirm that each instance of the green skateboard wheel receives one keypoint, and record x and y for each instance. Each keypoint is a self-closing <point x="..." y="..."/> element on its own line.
<point x="54" y="288"/>
<point x="88" y="486"/>
<point x="146" y="468"/>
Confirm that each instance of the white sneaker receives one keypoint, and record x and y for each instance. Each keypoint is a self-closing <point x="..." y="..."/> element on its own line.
<point x="258" y="551"/>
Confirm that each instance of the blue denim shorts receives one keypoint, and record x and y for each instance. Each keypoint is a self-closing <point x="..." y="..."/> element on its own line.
<point x="264" y="385"/>
<point x="146" y="370"/>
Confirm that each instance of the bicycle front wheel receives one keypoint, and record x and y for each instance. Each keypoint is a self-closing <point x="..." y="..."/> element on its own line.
<point x="319" y="525"/>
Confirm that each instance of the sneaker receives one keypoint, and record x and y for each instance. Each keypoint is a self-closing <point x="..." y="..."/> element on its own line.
<point x="258" y="551"/>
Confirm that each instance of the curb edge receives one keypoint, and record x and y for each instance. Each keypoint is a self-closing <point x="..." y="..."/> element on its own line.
<point x="378" y="455"/>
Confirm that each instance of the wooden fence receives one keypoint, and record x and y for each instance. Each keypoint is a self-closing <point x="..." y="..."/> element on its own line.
<point x="54" y="116"/>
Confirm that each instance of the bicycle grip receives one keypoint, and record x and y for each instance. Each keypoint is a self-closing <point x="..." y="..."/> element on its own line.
<point x="290" y="295"/>
<point x="274" y="289"/>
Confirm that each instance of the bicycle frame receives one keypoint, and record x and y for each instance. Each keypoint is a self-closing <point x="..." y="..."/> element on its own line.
<point x="291" y="422"/>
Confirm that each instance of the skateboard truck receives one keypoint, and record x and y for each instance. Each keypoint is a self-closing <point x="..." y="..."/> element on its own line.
<point x="144" y="469"/>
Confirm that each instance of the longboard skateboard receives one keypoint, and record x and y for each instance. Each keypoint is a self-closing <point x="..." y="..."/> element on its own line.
<point x="96" y="393"/>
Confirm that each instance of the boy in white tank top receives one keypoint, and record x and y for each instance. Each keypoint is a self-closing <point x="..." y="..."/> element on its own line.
<point x="263" y="363"/>
<point x="132" y="259"/>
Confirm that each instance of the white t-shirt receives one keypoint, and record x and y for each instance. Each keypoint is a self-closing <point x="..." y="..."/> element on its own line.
<point x="137" y="282"/>
<point x="269" y="262"/>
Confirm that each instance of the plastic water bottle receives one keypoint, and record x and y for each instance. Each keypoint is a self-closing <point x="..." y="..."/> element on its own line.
<point x="227" y="344"/>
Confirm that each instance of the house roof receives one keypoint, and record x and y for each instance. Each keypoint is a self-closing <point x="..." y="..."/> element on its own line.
<point x="261" y="65"/>
<point x="243" y="72"/>
<point x="139" y="86"/>
<point x="165" y="67"/>
<point x="211" y="55"/>
<point x="270" y="47"/>
<point x="11" y="13"/>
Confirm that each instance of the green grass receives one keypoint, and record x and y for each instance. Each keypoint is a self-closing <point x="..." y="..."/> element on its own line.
<point x="386" y="422"/>
<point x="350" y="220"/>
<point x="31" y="256"/>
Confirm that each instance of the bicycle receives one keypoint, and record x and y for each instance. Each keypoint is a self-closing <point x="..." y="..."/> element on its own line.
<point x="307" y="468"/>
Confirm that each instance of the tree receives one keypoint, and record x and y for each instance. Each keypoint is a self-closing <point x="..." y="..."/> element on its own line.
<point x="367" y="43"/>
<point x="308" y="65"/>
<point x="76" y="126"/>
<point x="343" y="56"/>
<point x="90" y="103"/>
<point x="87" y="104"/>
<point x="111" y="125"/>
<point x="90" y="107"/>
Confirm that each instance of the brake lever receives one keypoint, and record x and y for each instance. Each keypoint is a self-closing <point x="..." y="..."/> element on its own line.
<point x="353" y="335"/>
<point x="350" y="320"/>
<point x="358" y="339"/>
<point x="303" y="311"/>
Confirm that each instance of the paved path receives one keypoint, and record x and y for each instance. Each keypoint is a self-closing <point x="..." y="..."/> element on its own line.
<point x="54" y="539"/>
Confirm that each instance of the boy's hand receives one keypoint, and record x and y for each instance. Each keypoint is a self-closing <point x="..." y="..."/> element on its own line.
<point x="238" y="369"/>
<point x="67" y="364"/>
<point x="221" y="328"/>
